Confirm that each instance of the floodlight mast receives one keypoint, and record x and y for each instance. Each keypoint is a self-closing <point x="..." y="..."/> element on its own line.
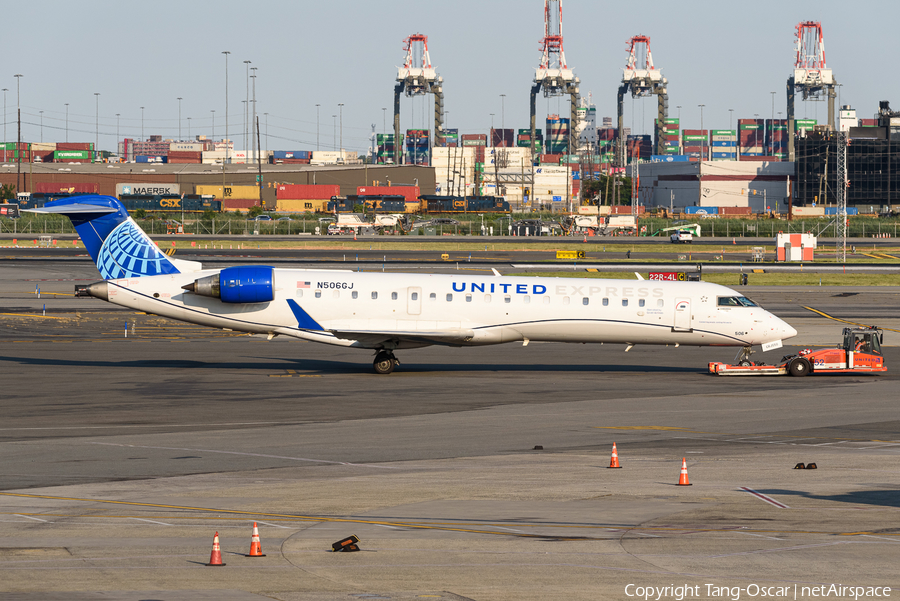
<point x="416" y="78"/>
<point x="811" y="75"/>
<point x="642" y="79"/>
<point x="553" y="76"/>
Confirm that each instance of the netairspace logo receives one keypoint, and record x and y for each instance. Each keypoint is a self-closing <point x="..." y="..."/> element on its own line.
<point x="755" y="591"/>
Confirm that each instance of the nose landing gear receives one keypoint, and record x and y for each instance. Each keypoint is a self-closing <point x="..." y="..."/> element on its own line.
<point x="385" y="362"/>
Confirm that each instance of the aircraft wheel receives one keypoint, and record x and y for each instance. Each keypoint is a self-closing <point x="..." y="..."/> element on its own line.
<point x="384" y="363"/>
<point x="745" y="363"/>
<point x="798" y="367"/>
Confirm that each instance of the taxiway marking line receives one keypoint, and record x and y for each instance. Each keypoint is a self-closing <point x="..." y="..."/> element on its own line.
<point x="28" y="517"/>
<point x="151" y="521"/>
<point x="765" y="498"/>
<point x="134" y="446"/>
<point x="852" y="323"/>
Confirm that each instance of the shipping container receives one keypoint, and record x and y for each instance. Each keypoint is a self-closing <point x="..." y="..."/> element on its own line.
<point x="701" y="210"/>
<point x="731" y="211"/>
<point x="148" y="189"/>
<point x="82" y="155"/>
<point x="190" y="203"/>
<point x="307" y="191"/>
<point x="231" y="192"/>
<point x="289" y="205"/>
<point x="298" y="154"/>
<point x="147" y="159"/>
<point x="69" y="188"/>
<point x="410" y="193"/>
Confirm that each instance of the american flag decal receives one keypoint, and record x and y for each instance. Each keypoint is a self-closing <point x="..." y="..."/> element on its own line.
<point x="302" y="284"/>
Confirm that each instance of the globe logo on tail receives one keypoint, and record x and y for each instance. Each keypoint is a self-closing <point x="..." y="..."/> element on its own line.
<point x="128" y="252"/>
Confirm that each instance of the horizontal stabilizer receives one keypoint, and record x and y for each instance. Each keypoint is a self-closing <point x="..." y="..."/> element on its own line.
<point x="73" y="209"/>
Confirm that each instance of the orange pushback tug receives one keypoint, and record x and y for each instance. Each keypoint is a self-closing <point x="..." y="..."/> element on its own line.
<point x="860" y="352"/>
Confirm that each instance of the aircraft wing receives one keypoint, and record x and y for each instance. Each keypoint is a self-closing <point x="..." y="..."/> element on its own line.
<point x="448" y="336"/>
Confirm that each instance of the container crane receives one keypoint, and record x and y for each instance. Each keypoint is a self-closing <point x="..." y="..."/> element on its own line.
<point x="553" y="76"/>
<point x="416" y="78"/>
<point x="811" y="76"/>
<point x="642" y="79"/>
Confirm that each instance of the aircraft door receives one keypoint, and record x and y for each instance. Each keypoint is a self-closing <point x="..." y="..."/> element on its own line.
<point x="414" y="300"/>
<point x="682" y="322"/>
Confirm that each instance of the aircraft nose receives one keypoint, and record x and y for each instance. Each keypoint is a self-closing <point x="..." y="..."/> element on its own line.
<point x="789" y="332"/>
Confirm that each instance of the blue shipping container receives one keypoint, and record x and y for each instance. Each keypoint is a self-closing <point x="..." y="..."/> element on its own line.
<point x="290" y="154"/>
<point x="701" y="210"/>
<point x="723" y="155"/>
<point x="732" y="143"/>
<point x="149" y="159"/>
<point x="669" y="158"/>
<point x="833" y="211"/>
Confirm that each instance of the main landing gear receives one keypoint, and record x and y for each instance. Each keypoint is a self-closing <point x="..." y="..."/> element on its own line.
<point x="385" y="362"/>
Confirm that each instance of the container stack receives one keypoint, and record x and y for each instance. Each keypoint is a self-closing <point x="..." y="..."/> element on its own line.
<point x="557" y="135"/>
<point x="804" y="124"/>
<point x="695" y="144"/>
<point x="417" y="146"/>
<point x="451" y="138"/>
<point x="296" y="198"/>
<point x="454" y="169"/>
<point x="639" y="148"/>
<point x="385" y="148"/>
<point x="751" y="137"/>
<point x="523" y="140"/>
<point x="474" y="139"/>
<point x="42" y="152"/>
<point x="671" y="136"/>
<point x="776" y="138"/>
<point x="606" y="142"/>
<point x="234" y="198"/>
<point x="502" y="138"/>
<point x="723" y="144"/>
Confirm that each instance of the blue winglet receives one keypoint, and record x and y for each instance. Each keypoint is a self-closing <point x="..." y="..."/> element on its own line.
<point x="304" y="321"/>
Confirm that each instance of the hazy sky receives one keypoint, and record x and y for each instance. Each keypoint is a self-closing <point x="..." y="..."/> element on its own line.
<point x="721" y="54"/>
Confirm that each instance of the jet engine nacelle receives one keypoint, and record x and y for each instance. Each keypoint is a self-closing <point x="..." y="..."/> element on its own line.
<point x="237" y="285"/>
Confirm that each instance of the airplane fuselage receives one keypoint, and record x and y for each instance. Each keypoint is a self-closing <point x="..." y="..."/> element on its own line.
<point x="393" y="311"/>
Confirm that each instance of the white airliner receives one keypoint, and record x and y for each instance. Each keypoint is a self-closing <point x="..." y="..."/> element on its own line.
<point x="387" y="312"/>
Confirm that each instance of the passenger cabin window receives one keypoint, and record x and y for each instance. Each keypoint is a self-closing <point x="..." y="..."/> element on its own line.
<point x="449" y="297"/>
<point x="507" y="299"/>
<point x="736" y="301"/>
<point x="624" y="302"/>
<point x="487" y="298"/>
<point x="526" y="299"/>
<point x="641" y="303"/>
<point x="585" y="300"/>
<point x="393" y="296"/>
<point x="374" y="295"/>
<point x="414" y="296"/>
<point x="468" y="298"/>
<point x="546" y="300"/>
<point x="354" y="295"/>
<point x="432" y="296"/>
<point x="659" y="303"/>
<point x="566" y="300"/>
<point x="318" y="294"/>
<point x="337" y="294"/>
<point x="605" y="302"/>
<point x="299" y="294"/>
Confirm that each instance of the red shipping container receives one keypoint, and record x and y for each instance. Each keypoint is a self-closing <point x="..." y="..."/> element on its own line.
<point x="73" y="146"/>
<point x="56" y="188"/>
<point x="734" y="210"/>
<point x="184" y="154"/>
<point x="307" y="192"/>
<point x="410" y="193"/>
<point x="290" y="161"/>
<point x="180" y="161"/>
<point x="240" y="203"/>
<point x="482" y="137"/>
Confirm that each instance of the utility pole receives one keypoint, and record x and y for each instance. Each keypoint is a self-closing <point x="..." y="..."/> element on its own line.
<point x="341" y="106"/>
<point x="117" y="139"/>
<point x="179" y="119"/>
<point x="247" y="105"/>
<point x="19" y="137"/>
<point x="41" y="113"/>
<point x="255" y="121"/>
<point x="213" y="136"/>
<point x="5" y="90"/>
<point x="142" y="124"/>
<point x="317" y="126"/>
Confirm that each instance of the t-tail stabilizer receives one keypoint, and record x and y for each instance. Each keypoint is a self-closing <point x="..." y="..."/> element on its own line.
<point x="119" y="248"/>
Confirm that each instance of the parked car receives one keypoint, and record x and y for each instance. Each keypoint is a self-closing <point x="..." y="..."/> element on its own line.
<point x="262" y="218"/>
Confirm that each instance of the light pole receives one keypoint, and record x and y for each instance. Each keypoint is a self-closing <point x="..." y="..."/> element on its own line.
<point x="341" y="107"/>
<point x="247" y="103"/>
<point x="731" y="119"/>
<point x="179" y="119"/>
<point x="253" y="132"/>
<point x="493" y="132"/>
<point x="383" y="119"/>
<point x="5" y="90"/>
<point x="679" y="115"/>
<point x="189" y="128"/>
<point x="226" y="53"/>
<point x="317" y="126"/>
<point x="334" y="132"/>
<point x="19" y="136"/>
<point x="97" y="126"/>
<point x="142" y="124"/>
<point x="503" y="113"/>
<point x="701" y="115"/>
<point x="267" y="132"/>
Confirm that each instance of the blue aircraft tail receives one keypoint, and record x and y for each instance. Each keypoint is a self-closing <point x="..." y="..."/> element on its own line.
<point x="119" y="248"/>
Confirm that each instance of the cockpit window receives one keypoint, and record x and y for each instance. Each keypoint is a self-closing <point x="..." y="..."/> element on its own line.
<point x="736" y="301"/>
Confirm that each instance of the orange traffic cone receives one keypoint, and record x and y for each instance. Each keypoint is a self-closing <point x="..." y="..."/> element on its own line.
<point x="734" y="241"/>
<point x="255" y="547"/>
<point x="215" y="558"/>
<point x="354" y="233"/>
<point x="683" y="480"/>
<point x="614" y="460"/>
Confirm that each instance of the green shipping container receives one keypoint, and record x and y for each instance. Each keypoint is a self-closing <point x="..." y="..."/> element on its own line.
<point x="84" y="155"/>
<point x="723" y="132"/>
<point x="694" y="138"/>
<point x="749" y="126"/>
